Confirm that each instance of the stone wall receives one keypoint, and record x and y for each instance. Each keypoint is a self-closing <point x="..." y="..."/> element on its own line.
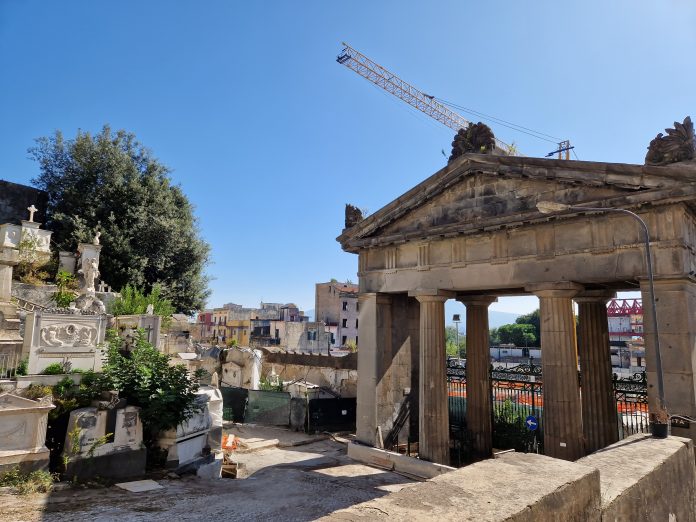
<point x="336" y="373"/>
<point x="638" y="479"/>
<point x="347" y="362"/>
<point x="15" y="199"/>
<point x="643" y="478"/>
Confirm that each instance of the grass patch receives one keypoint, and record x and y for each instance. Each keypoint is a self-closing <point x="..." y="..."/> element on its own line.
<point x="25" y="483"/>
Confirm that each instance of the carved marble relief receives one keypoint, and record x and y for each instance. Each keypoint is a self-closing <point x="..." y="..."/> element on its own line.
<point x="69" y="335"/>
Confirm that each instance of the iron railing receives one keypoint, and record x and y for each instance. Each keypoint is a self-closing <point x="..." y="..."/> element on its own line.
<point x="632" y="404"/>
<point x="516" y="393"/>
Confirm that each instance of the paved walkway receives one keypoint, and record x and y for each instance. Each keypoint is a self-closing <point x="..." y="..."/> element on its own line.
<point x="294" y="483"/>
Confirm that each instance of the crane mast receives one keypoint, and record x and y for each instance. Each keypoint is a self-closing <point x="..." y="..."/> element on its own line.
<point x="391" y="83"/>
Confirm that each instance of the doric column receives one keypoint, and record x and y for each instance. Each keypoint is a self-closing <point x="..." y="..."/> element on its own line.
<point x="374" y="332"/>
<point x="563" y="437"/>
<point x="676" y="319"/>
<point x="478" y="375"/>
<point x="599" y="420"/>
<point x="433" y="421"/>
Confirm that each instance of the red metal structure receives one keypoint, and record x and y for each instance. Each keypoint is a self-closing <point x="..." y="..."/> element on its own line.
<point x="625" y="307"/>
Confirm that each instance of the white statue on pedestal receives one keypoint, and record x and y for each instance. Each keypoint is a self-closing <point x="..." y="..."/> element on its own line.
<point x="90" y="272"/>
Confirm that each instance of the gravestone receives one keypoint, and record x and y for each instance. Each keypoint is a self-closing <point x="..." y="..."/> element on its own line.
<point x="67" y="262"/>
<point x="64" y="338"/>
<point x="196" y="441"/>
<point x="126" y="325"/>
<point x="23" y="433"/>
<point x="105" y="442"/>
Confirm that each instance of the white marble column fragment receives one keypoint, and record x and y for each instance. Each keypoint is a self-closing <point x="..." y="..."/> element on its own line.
<point x="563" y="437"/>
<point x="433" y="427"/>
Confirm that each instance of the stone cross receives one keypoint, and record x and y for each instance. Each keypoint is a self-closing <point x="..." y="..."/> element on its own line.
<point x="31" y="210"/>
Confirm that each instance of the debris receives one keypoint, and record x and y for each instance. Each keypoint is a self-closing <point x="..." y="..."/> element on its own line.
<point x="139" y="486"/>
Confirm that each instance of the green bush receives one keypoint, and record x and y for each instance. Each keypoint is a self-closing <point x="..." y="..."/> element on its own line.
<point x="37" y="391"/>
<point x="510" y="430"/>
<point x="21" y="369"/>
<point x="54" y="369"/>
<point x="33" y="482"/>
<point x="67" y="284"/>
<point x="145" y="378"/>
<point x="134" y="301"/>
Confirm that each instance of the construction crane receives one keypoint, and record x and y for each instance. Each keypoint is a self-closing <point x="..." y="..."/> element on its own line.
<point x="390" y="82"/>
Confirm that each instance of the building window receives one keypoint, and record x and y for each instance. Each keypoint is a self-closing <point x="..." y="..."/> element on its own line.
<point x="345" y="305"/>
<point x="343" y="340"/>
<point x="344" y="324"/>
<point x="356" y="323"/>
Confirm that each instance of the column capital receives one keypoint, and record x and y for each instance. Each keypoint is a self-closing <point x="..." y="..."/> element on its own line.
<point x="595" y="296"/>
<point x="379" y="297"/>
<point x="431" y="294"/>
<point x="559" y="289"/>
<point x="476" y="300"/>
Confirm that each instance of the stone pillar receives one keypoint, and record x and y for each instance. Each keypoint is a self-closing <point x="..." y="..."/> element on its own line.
<point x="9" y="257"/>
<point x="374" y="332"/>
<point x="5" y="282"/>
<point x="676" y="316"/>
<point x="563" y="438"/>
<point x="10" y="340"/>
<point x="433" y="419"/>
<point x="478" y="375"/>
<point x="599" y="417"/>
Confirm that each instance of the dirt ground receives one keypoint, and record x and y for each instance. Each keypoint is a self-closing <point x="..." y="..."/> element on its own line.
<point x="293" y="483"/>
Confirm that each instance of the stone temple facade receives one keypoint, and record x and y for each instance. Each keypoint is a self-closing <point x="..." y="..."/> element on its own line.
<point x="472" y="232"/>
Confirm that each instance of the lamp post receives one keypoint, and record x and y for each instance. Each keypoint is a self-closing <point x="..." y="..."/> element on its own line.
<point x="548" y="207"/>
<point x="456" y="320"/>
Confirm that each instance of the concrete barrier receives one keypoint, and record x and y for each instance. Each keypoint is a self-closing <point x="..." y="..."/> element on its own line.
<point x="516" y="487"/>
<point x="643" y="478"/>
<point x="638" y="479"/>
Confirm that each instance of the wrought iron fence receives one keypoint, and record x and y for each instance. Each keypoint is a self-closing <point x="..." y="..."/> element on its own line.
<point x="517" y="392"/>
<point x="632" y="404"/>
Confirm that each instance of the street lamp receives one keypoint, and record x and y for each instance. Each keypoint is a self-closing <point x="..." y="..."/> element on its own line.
<point x="456" y="320"/>
<point x="548" y="207"/>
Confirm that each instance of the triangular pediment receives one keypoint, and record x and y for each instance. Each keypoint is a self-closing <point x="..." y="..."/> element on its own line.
<point x="13" y="402"/>
<point x="481" y="192"/>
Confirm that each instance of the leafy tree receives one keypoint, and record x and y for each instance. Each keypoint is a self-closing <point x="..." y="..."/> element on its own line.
<point x="493" y="336"/>
<point x="517" y="334"/>
<point x="533" y="319"/>
<point x="111" y="183"/>
<point x="451" y="342"/>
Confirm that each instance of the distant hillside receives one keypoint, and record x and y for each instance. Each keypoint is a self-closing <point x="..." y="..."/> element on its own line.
<point x="495" y="319"/>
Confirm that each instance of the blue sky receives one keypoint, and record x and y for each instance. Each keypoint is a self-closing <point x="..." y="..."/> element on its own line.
<point x="270" y="137"/>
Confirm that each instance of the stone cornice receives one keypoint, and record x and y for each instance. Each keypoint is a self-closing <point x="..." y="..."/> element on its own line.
<point x="649" y="185"/>
<point x="636" y="200"/>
